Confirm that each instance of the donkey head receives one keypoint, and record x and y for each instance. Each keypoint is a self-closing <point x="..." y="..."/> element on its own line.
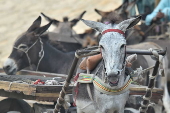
<point x="117" y="15"/>
<point x="65" y="20"/>
<point x="109" y="17"/>
<point x="112" y="45"/>
<point x="26" y="48"/>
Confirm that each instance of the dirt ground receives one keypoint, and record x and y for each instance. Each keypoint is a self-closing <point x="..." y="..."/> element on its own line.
<point x="17" y="15"/>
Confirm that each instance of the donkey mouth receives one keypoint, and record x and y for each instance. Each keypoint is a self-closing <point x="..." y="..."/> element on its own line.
<point x="114" y="83"/>
<point x="13" y="72"/>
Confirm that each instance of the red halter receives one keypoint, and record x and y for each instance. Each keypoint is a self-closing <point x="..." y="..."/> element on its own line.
<point x="113" y="30"/>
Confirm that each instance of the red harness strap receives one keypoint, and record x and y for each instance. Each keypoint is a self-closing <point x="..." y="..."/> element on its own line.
<point x="76" y="88"/>
<point x="113" y="30"/>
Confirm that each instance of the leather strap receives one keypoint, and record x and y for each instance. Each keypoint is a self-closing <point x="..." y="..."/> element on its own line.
<point x="113" y="30"/>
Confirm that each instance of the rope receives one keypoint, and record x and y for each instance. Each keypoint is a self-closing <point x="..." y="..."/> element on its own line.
<point x="152" y="77"/>
<point x="10" y="86"/>
<point x="61" y="101"/>
<point x="26" y="52"/>
<point x="148" y="94"/>
<point x="41" y="53"/>
<point x="142" y="109"/>
<point x="14" y="82"/>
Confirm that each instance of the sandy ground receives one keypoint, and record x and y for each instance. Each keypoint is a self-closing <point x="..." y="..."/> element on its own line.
<point x="17" y="15"/>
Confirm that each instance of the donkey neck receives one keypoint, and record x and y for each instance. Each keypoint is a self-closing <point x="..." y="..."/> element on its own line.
<point x="54" y="60"/>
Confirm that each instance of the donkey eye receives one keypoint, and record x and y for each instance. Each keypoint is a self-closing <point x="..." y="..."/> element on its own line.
<point x="122" y="46"/>
<point x="23" y="46"/>
<point x="101" y="47"/>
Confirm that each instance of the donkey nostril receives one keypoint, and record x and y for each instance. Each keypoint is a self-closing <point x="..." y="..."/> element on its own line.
<point x="8" y="67"/>
<point x="113" y="73"/>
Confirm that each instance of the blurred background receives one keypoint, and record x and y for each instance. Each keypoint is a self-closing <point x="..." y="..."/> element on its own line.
<point x="17" y="15"/>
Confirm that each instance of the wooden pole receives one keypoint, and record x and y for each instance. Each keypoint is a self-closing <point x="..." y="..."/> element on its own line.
<point x="78" y="54"/>
<point x="148" y="94"/>
<point x="60" y="100"/>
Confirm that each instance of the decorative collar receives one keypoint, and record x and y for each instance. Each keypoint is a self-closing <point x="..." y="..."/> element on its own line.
<point x="113" y="30"/>
<point x="101" y="86"/>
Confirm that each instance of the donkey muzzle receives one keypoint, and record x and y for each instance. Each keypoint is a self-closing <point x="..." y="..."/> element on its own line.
<point x="10" y="67"/>
<point x="113" y="78"/>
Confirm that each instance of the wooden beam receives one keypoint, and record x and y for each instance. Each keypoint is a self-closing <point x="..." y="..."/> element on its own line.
<point x="25" y="78"/>
<point x="20" y="87"/>
<point x="157" y="93"/>
<point x="37" y="73"/>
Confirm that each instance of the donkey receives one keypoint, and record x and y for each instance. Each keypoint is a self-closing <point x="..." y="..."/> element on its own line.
<point x="139" y="32"/>
<point x="65" y="27"/>
<point x="33" y="48"/>
<point x="136" y="35"/>
<point x="110" y="72"/>
<point x="64" y="32"/>
<point x="90" y="37"/>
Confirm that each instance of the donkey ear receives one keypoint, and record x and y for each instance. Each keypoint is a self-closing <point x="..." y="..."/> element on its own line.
<point x="123" y="6"/>
<point x="74" y="21"/>
<point x="126" y="24"/>
<point x="42" y="29"/>
<point x="55" y="22"/>
<point x="36" y="24"/>
<point x="95" y="25"/>
<point x="101" y="13"/>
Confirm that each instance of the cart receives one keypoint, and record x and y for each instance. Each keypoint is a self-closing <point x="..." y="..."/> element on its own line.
<point x="20" y="87"/>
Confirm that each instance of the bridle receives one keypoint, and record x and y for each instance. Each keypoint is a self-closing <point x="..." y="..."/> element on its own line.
<point x="41" y="53"/>
<point x="113" y="30"/>
<point x="101" y="85"/>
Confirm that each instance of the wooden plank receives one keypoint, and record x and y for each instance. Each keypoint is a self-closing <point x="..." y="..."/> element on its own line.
<point x="43" y="74"/>
<point x="51" y="92"/>
<point x="32" y="89"/>
<point x="51" y="89"/>
<point x="56" y="95"/>
<point x="18" y="95"/>
<point x="37" y="73"/>
<point x="25" y="78"/>
<point x="20" y="87"/>
<point x="46" y="99"/>
<point x="141" y="90"/>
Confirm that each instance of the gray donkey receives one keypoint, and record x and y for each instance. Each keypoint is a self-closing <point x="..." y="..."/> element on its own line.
<point x="109" y="89"/>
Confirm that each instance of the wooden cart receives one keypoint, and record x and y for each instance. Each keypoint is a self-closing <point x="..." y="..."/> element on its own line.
<point x="10" y="86"/>
<point x="22" y="87"/>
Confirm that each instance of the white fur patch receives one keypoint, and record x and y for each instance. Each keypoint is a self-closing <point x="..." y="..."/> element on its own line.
<point x="10" y="62"/>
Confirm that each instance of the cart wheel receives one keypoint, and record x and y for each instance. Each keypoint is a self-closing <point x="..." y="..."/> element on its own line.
<point x="14" y="105"/>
